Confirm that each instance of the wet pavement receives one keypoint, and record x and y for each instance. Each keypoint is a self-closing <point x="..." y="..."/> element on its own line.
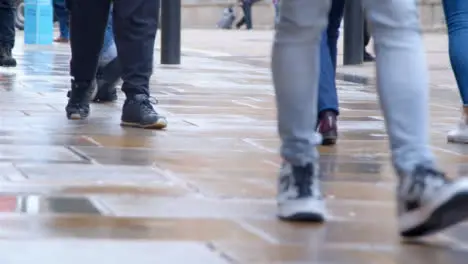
<point x="94" y="192"/>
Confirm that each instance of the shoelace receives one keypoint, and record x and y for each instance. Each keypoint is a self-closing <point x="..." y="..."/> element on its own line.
<point x="421" y="176"/>
<point x="153" y="100"/>
<point x="303" y="180"/>
<point x="148" y="104"/>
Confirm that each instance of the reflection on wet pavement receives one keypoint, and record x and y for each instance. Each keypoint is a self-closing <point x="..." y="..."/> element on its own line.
<point x="93" y="192"/>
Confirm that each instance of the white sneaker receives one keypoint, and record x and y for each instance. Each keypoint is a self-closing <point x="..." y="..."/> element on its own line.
<point x="299" y="197"/>
<point x="428" y="202"/>
<point x="460" y="134"/>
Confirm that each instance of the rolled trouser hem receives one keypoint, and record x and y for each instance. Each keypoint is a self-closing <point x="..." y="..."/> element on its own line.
<point x="333" y="109"/>
<point x="132" y="91"/>
<point x="300" y="153"/>
<point x="405" y="160"/>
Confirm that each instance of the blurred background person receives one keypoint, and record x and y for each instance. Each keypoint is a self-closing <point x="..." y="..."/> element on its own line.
<point x="63" y="18"/>
<point x="276" y="4"/>
<point x="246" y="20"/>
<point x="456" y="15"/>
<point x="7" y="33"/>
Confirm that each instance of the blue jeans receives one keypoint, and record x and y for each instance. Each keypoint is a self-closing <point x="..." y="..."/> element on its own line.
<point x="247" y="18"/>
<point x="109" y="34"/>
<point x="63" y="16"/>
<point x="456" y="14"/>
<point x="109" y="50"/>
<point x="328" y="97"/>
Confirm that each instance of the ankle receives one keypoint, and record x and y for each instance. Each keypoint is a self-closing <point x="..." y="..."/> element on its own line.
<point x="465" y="112"/>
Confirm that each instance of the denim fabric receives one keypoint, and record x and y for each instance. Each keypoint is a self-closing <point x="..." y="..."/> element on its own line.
<point x="328" y="97"/>
<point x="247" y="18"/>
<point x="63" y="17"/>
<point x="109" y="50"/>
<point x="277" y="11"/>
<point x="109" y="34"/>
<point x="456" y="14"/>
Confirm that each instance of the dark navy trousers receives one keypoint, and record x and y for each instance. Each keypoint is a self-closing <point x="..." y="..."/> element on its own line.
<point x="7" y="23"/>
<point x="135" y="24"/>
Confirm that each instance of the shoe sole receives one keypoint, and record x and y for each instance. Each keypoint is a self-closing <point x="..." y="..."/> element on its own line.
<point x="329" y="138"/>
<point x="450" y="209"/>
<point x="160" y="125"/>
<point x="303" y="217"/>
<point x="329" y="141"/>
<point x="76" y="117"/>
<point x="458" y="140"/>
<point x="8" y="65"/>
<point x="302" y="211"/>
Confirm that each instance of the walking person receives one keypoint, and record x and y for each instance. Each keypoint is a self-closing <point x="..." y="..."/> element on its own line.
<point x="456" y="15"/>
<point x="328" y="102"/>
<point x="7" y="33"/>
<point x="135" y="25"/>
<point x="247" y="10"/>
<point x="109" y="70"/>
<point x="427" y="200"/>
<point x="61" y="11"/>
<point x="276" y="4"/>
<point x="328" y="109"/>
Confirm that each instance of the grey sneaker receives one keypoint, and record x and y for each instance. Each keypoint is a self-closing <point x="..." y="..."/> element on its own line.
<point x="299" y="197"/>
<point x="429" y="202"/>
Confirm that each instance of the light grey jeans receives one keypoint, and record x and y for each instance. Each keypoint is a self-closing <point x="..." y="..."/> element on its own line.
<point x="402" y="78"/>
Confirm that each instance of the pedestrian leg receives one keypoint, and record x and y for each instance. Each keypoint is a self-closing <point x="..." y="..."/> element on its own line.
<point x="295" y="66"/>
<point x="427" y="201"/>
<point x="135" y="26"/>
<point x="87" y="24"/>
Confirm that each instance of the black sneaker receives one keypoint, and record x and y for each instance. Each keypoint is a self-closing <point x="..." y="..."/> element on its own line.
<point x="6" y="58"/>
<point x="138" y="111"/>
<point x="429" y="202"/>
<point x="79" y="98"/>
<point x="107" y="79"/>
<point x="299" y="197"/>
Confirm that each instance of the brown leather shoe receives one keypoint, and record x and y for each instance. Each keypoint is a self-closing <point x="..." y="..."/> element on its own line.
<point x="327" y="127"/>
<point x="61" y="40"/>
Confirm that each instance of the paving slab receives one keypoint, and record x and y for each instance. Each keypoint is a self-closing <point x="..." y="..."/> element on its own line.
<point x="203" y="190"/>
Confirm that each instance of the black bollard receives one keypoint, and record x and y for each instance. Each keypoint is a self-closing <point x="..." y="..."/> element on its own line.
<point x="170" y="31"/>
<point x="353" y="33"/>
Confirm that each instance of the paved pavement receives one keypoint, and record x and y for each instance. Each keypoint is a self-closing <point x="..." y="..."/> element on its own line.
<point x="202" y="191"/>
<point x="255" y="46"/>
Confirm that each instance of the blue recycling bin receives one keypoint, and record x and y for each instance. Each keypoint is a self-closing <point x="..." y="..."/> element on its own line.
<point x="38" y="22"/>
